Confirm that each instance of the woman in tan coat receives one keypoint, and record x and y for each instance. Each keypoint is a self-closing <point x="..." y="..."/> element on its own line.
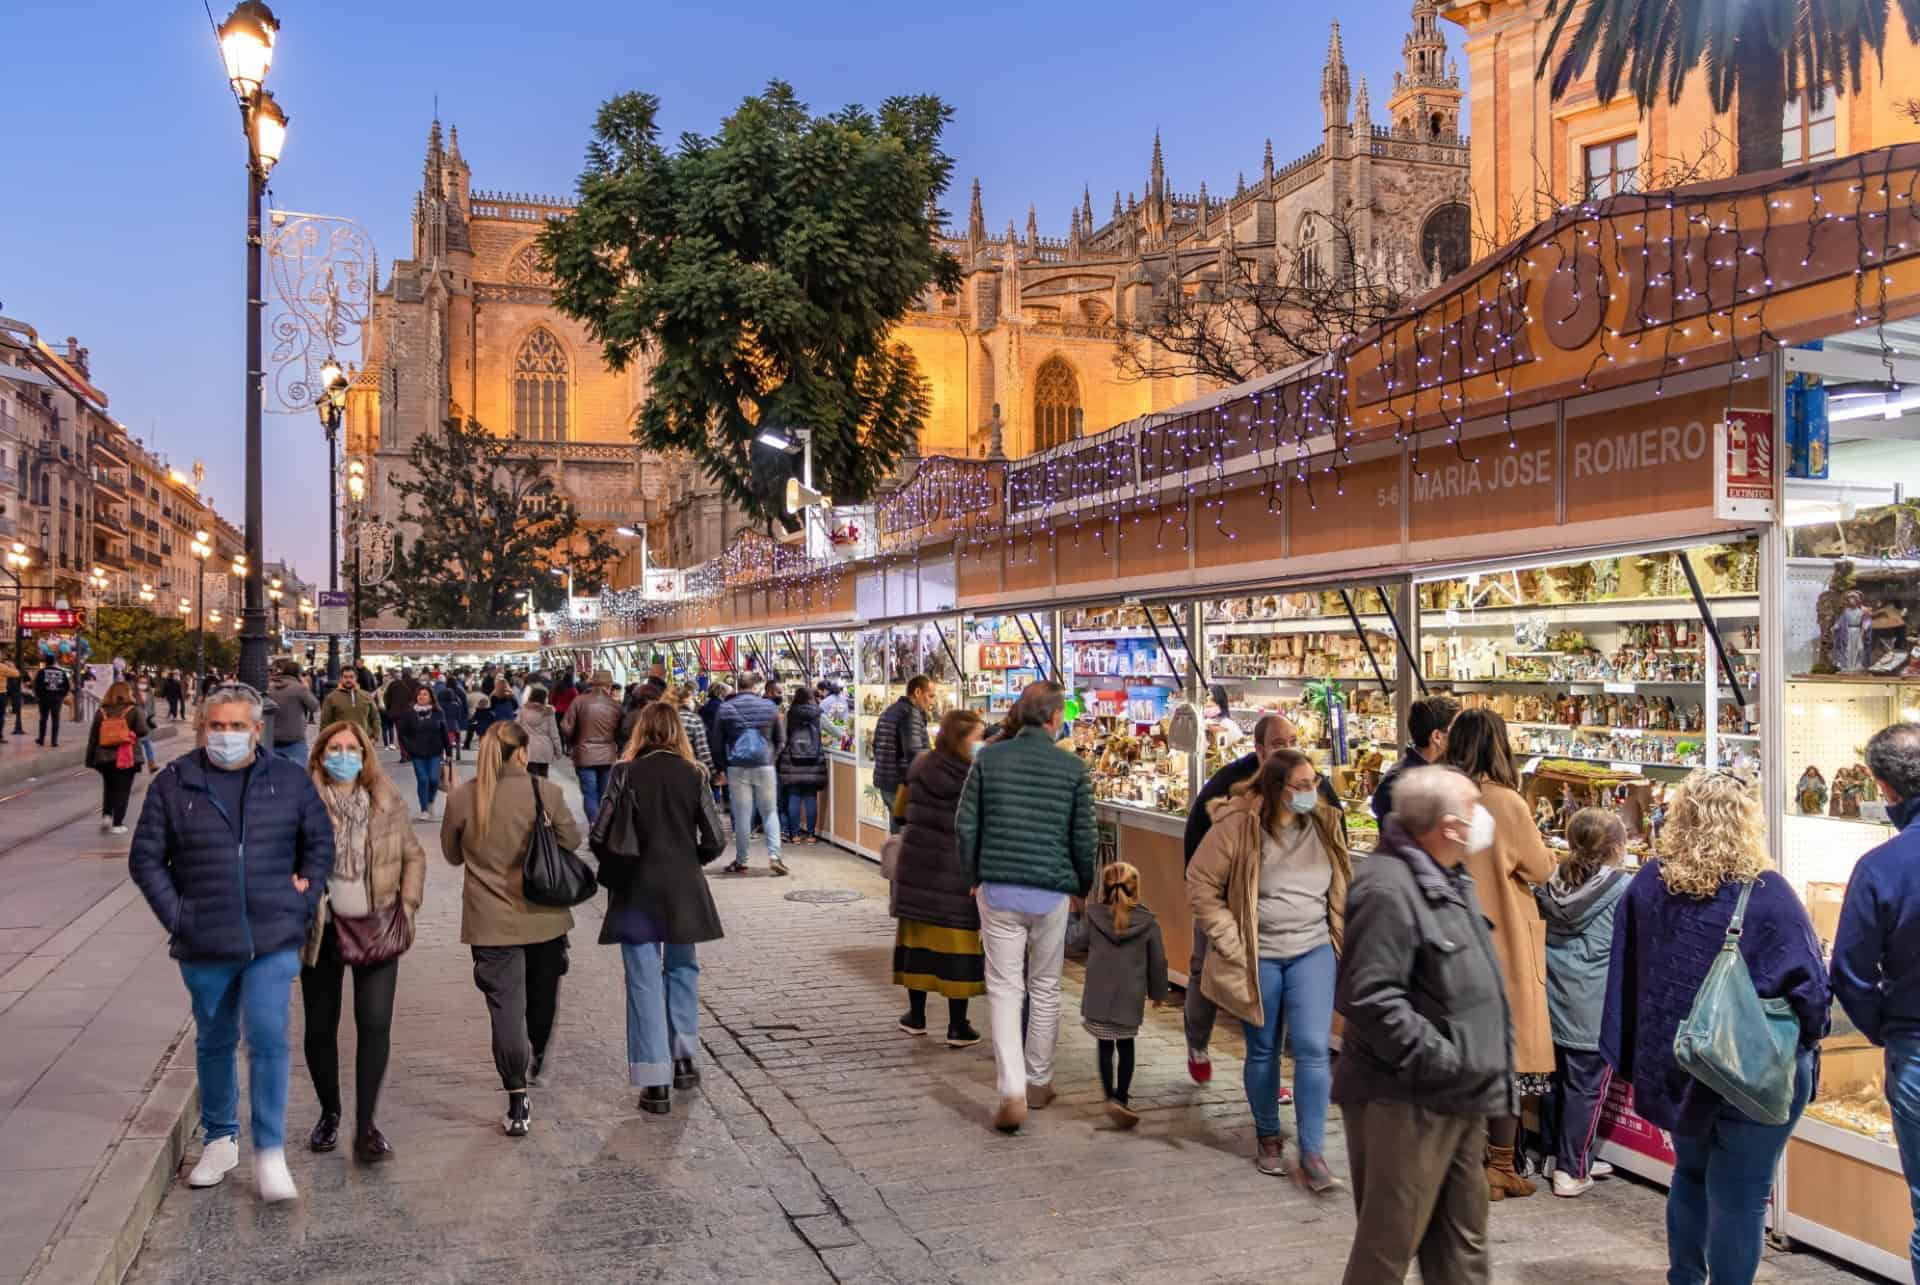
<point x="1269" y="888"/>
<point x="519" y="948"/>
<point x="377" y="862"/>
<point x="1504" y="877"/>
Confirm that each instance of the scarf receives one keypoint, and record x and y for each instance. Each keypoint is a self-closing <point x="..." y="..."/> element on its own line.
<point x="350" y="809"/>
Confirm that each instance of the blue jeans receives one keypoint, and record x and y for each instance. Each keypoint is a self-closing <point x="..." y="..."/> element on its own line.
<point x="227" y="993"/>
<point x="426" y="779"/>
<point x="146" y="749"/>
<point x="1297" y="996"/>
<point x="751" y="790"/>
<point x="293" y="752"/>
<point x="1717" y="1205"/>
<point x="1903" y="1095"/>
<point x="802" y="804"/>
<point x="593" y="783"/>
<point x="663" y="1010"/>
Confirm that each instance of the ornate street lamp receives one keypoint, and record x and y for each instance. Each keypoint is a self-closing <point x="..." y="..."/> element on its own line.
<point x="18" y="563"/>
<point x="332" y="405"/>
<point x="247" y="40"/>
<point x="202" y="549"/>
<point x="357" y="492"/>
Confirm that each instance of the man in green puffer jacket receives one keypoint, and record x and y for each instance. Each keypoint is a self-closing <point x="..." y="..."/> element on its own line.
<point x="1025" y="829"/>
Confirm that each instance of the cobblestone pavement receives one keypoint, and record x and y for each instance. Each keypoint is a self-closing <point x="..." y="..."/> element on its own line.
<point x="824" y="1145"/>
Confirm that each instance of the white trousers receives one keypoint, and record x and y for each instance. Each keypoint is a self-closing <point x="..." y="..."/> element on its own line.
<point x="1023" y="953"/>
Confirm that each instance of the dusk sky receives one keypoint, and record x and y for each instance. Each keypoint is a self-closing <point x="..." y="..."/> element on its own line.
<point x="123" y="219"/>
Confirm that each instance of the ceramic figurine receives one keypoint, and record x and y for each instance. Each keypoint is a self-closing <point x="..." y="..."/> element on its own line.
<point x="1543" y="816"/>
<point x="1852" y="631"/>
<point x="1850" y="785"/>
<point x="1811" y="792"/>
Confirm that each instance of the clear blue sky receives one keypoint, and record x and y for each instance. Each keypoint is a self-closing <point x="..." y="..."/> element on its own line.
<point x="123" y="215"/>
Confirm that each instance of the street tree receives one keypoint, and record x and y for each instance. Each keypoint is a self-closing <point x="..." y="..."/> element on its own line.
<point x="761" y="271"/>
<point x="489" y="524"/>
<point x="1767" y="50"/>
<point x="145" y="637"/>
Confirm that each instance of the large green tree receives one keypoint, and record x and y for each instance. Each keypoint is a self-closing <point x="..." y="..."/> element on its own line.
<point x="145" y="637"/>
<point x="762" y="269"/>
<point x="488" y="524"/>
<point x="1767" y="50"/>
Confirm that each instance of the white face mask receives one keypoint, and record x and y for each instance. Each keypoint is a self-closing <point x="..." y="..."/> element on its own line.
<point x="1479" y="835"/>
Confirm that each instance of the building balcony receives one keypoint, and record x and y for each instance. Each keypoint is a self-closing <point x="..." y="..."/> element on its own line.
<point x="111" y="561"/>
<point x="104" y="447"/>
<point x="105" y="480"/>
<point x="105" y="521"/>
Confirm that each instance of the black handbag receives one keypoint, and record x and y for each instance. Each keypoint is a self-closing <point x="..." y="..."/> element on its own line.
<point x="615" y="837"/>
<point x="553" y="875"/>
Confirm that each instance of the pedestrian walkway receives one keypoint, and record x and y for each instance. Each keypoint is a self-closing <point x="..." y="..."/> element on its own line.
<point x="824" y="1145"/>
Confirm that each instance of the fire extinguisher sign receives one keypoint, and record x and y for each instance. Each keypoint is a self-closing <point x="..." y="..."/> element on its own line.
<point x="1745" y="478"/>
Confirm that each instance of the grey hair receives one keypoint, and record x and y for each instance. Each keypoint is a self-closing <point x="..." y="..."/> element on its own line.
<point x="1040" y="703"/>
<point x="233" y="694"/>
<point x="1893" y="756"/>
<point x="1424" y="796"/>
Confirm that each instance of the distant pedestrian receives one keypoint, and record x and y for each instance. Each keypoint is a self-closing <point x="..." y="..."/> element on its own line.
<point x="113" y="750"/>
<point x="349" y="703"/>
<point x="1427" y="723"/>
<point x="292" y="700"/>
<point x="1668" y="928"/>
<point x="479" y="715"/>
<point x="543" y="732"/>
<point x="656" y="831"/>
<point x="592" y="726"/>
<point x="224" y="830"/>
<point x="453" y="708"/>
<point x="750" y="736"/>
<point x="519" y="948"/>
<point x="1578" y="907"/>
<point x="1427" y="1056"/>
<point x="1269" y="889"/>
<point x="397" y="701"/>
<point x="51" y="686"/>
<point x="936" y="943"/>
<point x="1126" y="964"/>
<point x="684" y="702"/>
<point x="1876" y="950"/>
<point x="175" y="694"/>
<point x="423" y="737"/>
<point x="379" y="872"/>
<point x="802" y="768"/>
<point x="900" y="737"/>
<point x="1025" y="826"/>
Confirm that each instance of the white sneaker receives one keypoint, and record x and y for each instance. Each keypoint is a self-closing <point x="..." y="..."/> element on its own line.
<point x="426" y="814"/>
<point x="1568" y="1186"/>
<point x="1599" y="1169"/>
<point x="216" y="1161"/>
<point x="119" y="829"/>
<point x="271" y="1176"/>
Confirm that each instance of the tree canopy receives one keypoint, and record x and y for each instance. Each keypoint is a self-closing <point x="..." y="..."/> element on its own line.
<point x="490" y="525"/>
<point x="1768" y="50"/>
<point x="761" y="270"/>
<point x="143" y="636"/>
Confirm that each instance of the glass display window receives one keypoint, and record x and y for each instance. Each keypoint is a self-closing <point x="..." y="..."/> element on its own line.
<point x="1001" y="654"/>
<point x="1126" y="666"/>
<point x="888" y="657"/>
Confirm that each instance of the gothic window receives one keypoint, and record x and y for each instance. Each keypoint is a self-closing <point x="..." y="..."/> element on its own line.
<point x="1056" y="404"/>
<point x="540" y="388"/>
<point x="1445" y="239"/>
<point x="524" y="268"/>
<point x="1308" y="267"/>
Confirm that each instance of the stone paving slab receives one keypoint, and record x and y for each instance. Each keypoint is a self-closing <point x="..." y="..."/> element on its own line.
<point x="824" y="1145"/>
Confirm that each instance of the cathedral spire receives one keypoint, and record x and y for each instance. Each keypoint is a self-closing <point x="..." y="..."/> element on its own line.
<point x="976" y="224"/>
<point x="1074" y="236"/>
<point x="1086" y="206"/>
<point x="1240" y="185"/>
<point x="1202" y="223"/>
<point x="1117" y="210"/>
<point x="1266" y="165"/>
<point x="1033" y="233"/>
<point x="1336" y="91"/>
<point x="1362" y="111"/>
<point x="1157" y="175"/>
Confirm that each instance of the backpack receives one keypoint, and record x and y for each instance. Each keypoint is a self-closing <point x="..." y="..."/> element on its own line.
<point x="803" y="745"/>
<point x="750" y="749"/>
<point x="1183" y="728"/>
<point x="115" y="729"/>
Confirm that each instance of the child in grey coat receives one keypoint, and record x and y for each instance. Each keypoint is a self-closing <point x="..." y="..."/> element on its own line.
<point x="1126" y="963"/>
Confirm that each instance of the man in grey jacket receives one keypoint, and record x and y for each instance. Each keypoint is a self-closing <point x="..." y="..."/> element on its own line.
<point x="1428" y="1055"/>
<point x="292" y="700"/>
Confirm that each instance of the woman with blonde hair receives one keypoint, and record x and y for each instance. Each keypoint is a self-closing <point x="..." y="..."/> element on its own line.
<point x="655" y="832"/>
<point x="1676" y="915"/>
<point x="1268" y="886"/>
<point x="519" y="948"/>
<point x="1504" y="877"/>
<point x="379" y="875"/>
<point x="113" y="750"/>
<point x="1126" y="963"/>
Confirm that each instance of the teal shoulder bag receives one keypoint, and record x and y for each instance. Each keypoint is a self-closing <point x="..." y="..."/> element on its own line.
<point x="1736" y="1043"/>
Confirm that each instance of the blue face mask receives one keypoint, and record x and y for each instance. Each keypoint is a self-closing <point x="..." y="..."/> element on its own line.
<point x="230" y="749"/>
<point x="342" y="765"/>
<point x="1303" y="801"/>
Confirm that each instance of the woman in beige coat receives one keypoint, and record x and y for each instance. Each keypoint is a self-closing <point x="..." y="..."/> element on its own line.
<point x="1269" y="888"/>
<point x="376" y="860"/>
<point x="1504" y="877"/>
<point x="519" y="948"/>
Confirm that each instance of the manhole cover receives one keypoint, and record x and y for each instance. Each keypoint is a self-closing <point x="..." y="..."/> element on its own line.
<point x="824" y="896"/>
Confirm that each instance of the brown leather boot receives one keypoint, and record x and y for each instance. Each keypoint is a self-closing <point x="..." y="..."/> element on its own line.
<point x="1502" y="1180"/>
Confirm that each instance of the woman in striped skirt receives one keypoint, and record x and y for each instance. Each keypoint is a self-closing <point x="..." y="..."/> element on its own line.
<point x="937" y="946"/>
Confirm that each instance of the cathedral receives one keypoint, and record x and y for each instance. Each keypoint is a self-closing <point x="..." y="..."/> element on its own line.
<point x="1024" y="355"/>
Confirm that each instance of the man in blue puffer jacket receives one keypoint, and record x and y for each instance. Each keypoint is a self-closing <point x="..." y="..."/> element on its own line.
<point x="233" y="851"/>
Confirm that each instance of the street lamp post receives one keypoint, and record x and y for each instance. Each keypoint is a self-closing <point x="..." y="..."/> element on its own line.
<point x="246" y="46"/>
<point x="274" y="593"/>
<point x="202" y="550"/>
<point x="357" y="492"/>
<point x="332" y="405"/>
<point x="18" y="560"/>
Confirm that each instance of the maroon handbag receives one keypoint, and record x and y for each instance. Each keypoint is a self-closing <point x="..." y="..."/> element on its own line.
<point x="375" y="938"/>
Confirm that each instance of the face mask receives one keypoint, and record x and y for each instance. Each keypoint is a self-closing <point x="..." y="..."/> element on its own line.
<point x="342" y="765"/>
<point x="229" y="749"/>
<point x="423" y="709"/>
<point x="1479" y="830"/>
<point x="973" y="751"/>
<point x="1303" y="801"/>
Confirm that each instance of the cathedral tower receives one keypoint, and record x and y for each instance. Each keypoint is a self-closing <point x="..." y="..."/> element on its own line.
<point x="1426" y="90"/>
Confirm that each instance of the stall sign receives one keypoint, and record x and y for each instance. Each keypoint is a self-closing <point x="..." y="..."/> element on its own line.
<point x="846" y="533"/>
<point x="50" y="618"/>
<point x="1743" y="472"/>
<point x="662" y="584"/>
<point x="1621" y="1125"/>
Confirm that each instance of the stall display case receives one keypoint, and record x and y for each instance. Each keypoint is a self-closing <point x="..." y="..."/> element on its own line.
<point x="888" y="656"/>
<point x="1300" y="654"/>
<point x="1000" y="655"/>
<point x="1126" y="667"/>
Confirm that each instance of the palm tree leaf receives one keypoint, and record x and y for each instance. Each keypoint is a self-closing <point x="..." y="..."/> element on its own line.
<point x="1561" y="10"/>
<point x="1910" y="12"/>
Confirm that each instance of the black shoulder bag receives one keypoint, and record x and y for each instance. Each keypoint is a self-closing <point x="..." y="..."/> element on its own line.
<point x="553" y="876"/>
